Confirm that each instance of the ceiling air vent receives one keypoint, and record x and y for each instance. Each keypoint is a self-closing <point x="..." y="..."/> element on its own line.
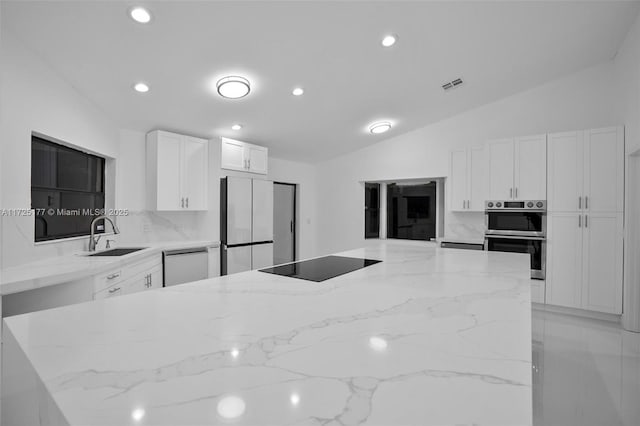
<point x="451" y="84"/>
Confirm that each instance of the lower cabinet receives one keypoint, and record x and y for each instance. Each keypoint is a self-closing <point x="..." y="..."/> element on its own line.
<point x="140" y="276"/>
<point x="584" y="261"/>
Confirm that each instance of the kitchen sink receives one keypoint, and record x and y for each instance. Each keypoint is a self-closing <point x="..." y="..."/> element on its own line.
<point x="117" y="251"/>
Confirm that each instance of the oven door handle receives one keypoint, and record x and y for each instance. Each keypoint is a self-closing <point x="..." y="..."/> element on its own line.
<point x="541" y="211"/>
<point x="515" y="237"/>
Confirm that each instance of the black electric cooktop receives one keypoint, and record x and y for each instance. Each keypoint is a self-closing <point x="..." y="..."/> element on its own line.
<point x="321" y="269"/>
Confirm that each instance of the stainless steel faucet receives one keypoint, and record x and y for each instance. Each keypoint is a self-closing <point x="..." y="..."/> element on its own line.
<point x="93" y="241"/>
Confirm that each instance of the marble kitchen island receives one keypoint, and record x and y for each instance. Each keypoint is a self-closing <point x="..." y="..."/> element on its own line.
<point x="430" y="336"/>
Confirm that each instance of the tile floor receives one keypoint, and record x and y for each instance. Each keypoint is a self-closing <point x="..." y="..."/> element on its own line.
<point x="585" y="372"/>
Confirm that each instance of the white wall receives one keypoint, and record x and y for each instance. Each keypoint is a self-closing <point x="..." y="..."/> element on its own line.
<point x="34" y="98"/>
<point x="583" y="100"/>
<point x="627" y="78"/>
<point x="143" y="225"/>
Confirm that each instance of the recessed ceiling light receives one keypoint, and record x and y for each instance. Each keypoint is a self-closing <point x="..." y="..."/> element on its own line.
<point x="236" y="127"/>
<point x="298" y="91"/>
<point x="140" y="14"/>
<point x="379" y="127"/>
<point x="233" y="87"/>
<point x="141" y="87"/>
<point x="389" y="40"/>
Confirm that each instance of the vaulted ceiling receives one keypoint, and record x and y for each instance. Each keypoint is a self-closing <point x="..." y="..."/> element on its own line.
<point x="331" y="49"/>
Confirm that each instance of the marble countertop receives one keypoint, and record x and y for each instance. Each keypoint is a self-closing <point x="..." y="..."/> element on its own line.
<point x="429" y="336"/>
<point x="60" y="269"/>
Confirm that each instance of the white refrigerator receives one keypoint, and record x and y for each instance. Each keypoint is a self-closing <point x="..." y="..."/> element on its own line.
<point x="246" y="224"/>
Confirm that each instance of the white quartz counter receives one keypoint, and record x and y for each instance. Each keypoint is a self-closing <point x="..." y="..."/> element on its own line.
<point x="429" y="336"/>
<point x="60" y="269"/>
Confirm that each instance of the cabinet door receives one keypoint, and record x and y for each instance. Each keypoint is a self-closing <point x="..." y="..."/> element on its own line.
<point x="602" y="271"/>
<point x="257" y="156"/>
<point x="500" y="163"/>
<point x="262" y="210"/>
<point x="155" y="278"/>
<point x="458" y="179"/>
<point x="477" y="179"/>
<point x="564" y="259"/>
<point x="530" y="178"/>
<point x="565" y="172"/>
<point x="232" y="155"/>
<point x="168" y="171"/>
<point x="195" y="173"/>
<point x="604" y="170"/>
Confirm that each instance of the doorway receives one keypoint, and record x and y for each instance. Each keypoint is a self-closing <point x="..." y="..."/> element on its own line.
<point x="284" y="222"/>
<point x="372" y="210"/>
<point x="411" y="211"/>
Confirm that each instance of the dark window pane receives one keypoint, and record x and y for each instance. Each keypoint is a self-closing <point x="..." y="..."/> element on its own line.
<point x="67" y="190"/>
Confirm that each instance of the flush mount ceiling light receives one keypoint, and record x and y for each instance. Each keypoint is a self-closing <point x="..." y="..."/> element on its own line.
<point x="233" y="87"/>
<point x="298" y="91"/>
<point x="141" y="87"/>
<point x="379" y="127"/>
<point x="236" y="127"/>
<point x="140" y="14"/>
<point x="389" y="40"/>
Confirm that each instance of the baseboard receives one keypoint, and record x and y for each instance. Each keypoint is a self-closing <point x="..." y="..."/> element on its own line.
<point x="577" y="312"/>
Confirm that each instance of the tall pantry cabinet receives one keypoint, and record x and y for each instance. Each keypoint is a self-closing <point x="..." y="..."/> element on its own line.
<point x="585" y="219"/>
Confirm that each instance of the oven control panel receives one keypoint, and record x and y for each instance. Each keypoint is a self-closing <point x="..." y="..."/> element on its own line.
<point x="516" y="205"/>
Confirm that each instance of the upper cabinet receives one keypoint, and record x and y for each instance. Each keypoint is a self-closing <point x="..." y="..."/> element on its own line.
<point x="244" y="157"/>
<point x="586" y="171"/>
<point x="177" y="172"/>
<point x="466" y="180"/>
<point x="517" y="168"/>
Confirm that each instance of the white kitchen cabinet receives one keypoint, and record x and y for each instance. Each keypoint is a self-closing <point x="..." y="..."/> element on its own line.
<point x="466" y="180"/>
<point x="242" y="156"/>
<point x="604" y="170"/>
<point x="586" y="171"/>
<point x="564" y="259"/>
<point x="584" y="261"/>
<point x="565" y="171"/>
<point x="517" y="168"/>
<point x="141" y="275"/>
<point x="177" y="172"/>
<point x="500" y="163"/>
<point x="585" y="220"/>
<point x="602" y="262"/>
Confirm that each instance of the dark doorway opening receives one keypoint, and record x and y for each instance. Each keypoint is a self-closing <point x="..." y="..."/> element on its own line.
<point x="372" y="210"/>
<point x="411" y="211"/>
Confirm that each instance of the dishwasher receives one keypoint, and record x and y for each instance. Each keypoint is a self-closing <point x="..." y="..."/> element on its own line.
<point x="185" y="265"/>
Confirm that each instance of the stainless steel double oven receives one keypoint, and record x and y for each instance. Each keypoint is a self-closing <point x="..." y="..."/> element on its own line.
<point x="518" y="227"/>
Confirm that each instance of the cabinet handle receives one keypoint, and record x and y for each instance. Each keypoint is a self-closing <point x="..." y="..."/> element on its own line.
<point x="580" y="221"/>
<point x="586" y="202"/>
<point x="114" y="290"/>
<point x="516" y="192"/>
<point x="463" y="204"/>
<point x="182" y="202"/>
<point x="579" y="203"/>
<point x="249" y="162"/>
<point x="586" y="221"/>
<point x="187" y="202"/>
<point x="510" y="193"/>
<point x="292" y="227"/>
<point x="112" y="276"/>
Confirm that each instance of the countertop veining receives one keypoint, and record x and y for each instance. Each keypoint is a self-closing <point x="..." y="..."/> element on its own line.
<point x="428" y="336"/>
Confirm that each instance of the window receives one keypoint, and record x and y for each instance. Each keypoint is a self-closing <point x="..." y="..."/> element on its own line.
<point x="67" y="190"/>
